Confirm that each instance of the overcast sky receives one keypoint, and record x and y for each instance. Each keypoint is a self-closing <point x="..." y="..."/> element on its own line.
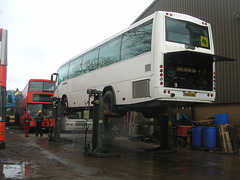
<point x="42" y="34"/>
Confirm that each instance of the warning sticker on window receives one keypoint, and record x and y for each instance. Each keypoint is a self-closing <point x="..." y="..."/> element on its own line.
<point x="204" y="41"/>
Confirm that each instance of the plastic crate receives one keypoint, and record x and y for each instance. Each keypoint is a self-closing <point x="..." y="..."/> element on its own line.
<point x="185" y="131"/>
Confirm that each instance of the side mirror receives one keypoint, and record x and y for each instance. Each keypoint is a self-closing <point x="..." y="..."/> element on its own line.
<point x="54" y="74"/>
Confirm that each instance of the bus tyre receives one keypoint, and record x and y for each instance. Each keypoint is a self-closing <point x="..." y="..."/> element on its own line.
<point x="108" y="101"/>
<point x="64" y="105"/>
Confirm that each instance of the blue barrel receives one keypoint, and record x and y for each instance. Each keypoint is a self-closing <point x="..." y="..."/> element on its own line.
<point x="209" y="137"/>
<point x="221" y="118"/>
<point x="197" y="134"/>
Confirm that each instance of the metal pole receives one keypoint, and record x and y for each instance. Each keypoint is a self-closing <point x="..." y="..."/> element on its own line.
<point x="95" y="124"/>
<point x="100" y="121"/>
<point x="170" y="132"/>
<point x="58" y="121"/>
<point x="55" y="134"/>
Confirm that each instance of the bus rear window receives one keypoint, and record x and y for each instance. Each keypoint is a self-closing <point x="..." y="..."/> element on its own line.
<point x="188" y="33"/>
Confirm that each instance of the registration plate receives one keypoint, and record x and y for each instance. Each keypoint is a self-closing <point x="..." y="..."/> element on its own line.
<point x="189" y="94"/>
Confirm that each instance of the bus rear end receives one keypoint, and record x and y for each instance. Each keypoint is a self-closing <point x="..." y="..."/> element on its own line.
<point x="187" y="66"/>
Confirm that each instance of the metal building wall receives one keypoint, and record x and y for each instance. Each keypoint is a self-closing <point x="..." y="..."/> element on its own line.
<point x="224" y="16"/>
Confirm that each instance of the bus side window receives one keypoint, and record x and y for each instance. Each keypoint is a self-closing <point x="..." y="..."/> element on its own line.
<point x="63" y="73"/>
<point x="137" y="41"/>
<point x="109" y="52"/>
<point x="75" y="68"/>
<point x="90" y="61"/>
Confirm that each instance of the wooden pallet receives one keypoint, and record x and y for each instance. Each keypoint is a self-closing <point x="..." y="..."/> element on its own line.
<point x="234" y="133"/>
<point x="205" y="122"/>
<point x="225" y="139"/>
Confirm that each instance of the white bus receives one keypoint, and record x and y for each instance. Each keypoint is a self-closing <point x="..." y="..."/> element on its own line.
<point x="166" y="57"/>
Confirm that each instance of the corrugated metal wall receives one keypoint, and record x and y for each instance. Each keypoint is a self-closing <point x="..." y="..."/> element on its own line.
<point x="226" y="32"/>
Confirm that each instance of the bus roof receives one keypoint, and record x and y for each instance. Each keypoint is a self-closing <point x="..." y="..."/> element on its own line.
<point x="191" y="18"/>
<point x="45" y="80"/>
<point x="114" y="36"/>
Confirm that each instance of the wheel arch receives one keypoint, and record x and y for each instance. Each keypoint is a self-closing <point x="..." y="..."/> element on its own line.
<point x="109" y="88"/>
<point x="63" y="97"/>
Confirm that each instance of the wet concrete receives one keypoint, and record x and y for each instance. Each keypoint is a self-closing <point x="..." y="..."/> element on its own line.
<point x="38" y="158"/>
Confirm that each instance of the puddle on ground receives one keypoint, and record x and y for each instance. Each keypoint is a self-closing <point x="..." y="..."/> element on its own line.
<point x="15" y="171"/>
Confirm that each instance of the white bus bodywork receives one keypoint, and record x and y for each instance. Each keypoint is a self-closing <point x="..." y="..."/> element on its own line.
<point x="138" y="79"/>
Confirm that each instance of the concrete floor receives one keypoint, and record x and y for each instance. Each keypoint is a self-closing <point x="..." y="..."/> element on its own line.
<point x="37" y="158"/>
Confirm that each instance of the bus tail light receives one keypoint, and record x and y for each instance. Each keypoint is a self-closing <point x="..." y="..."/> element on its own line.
<point x="170" y="14"/>
<point x="214" y="81"/>
<point x="161" y="75"/>
<point x="209" y="95"/>
<point x="166" y="91"/>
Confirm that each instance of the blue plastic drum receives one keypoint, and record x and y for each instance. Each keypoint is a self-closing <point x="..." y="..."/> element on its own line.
<point x="209" y="137"/>
<point x="197" y="134"/>
<point x="221" y="118"/>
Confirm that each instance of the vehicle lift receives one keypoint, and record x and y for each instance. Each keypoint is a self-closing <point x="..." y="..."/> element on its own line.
<point x="95" y="148"/>
<point x="166" y="140"/>
<point x="54" y="133"/>
<point x="165" y="132"/>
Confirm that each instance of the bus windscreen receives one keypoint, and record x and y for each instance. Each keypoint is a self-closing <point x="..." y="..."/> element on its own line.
<point x="47" y="110"/>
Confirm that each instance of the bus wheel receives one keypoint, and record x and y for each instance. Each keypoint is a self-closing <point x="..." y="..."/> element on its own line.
<point x="108" y="101"/>
<point x="64" y="105"/>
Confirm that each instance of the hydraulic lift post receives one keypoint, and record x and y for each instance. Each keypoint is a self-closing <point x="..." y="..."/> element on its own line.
<point x="166" y="139"/>
<point x="95" y="148"/>
<point x="54" y="135"/>
<point x="97" y="119"/>
<point x="166" y="133"/>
